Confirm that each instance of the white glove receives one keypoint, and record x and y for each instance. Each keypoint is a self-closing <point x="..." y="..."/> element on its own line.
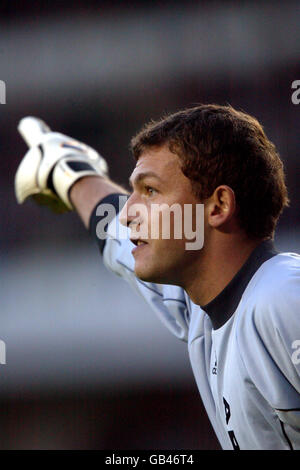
<point x="52" y="165"/>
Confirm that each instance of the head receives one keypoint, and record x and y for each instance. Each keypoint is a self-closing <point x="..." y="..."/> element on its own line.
<point x="213" y="155"/>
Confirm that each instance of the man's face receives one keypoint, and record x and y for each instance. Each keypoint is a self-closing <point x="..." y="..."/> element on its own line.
<point x="159" y="256"/>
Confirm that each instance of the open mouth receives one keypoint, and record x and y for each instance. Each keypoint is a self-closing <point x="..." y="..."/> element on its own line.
<point x="138" y="244"/>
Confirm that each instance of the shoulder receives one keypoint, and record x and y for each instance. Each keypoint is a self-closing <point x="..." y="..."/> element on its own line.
<point x="270" y="310"/>
<point x="275" y="281"/>
<point x="276" y="286"/>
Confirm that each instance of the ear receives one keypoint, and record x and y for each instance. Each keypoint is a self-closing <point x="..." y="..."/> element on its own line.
<point x="221" y="206"/>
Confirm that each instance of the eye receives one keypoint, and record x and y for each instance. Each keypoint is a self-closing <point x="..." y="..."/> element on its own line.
<point x="149" y="190"/>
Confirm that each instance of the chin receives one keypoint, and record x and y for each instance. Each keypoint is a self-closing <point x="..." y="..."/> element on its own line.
<point x="152" y="275"/>
<point x="145" y="275"/>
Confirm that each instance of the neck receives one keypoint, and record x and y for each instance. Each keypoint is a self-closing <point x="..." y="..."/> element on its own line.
<point x="219" y="261"/>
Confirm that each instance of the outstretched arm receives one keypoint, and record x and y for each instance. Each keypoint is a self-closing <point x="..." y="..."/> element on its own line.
<point x="65" y="174"/>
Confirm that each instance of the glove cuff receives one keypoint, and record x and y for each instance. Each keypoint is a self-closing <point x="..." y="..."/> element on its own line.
<point x="69" y="170"/>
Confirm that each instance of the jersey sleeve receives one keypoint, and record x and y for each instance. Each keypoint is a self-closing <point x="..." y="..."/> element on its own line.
<point x="270" y="344"/>
<point x="169" y="302"/>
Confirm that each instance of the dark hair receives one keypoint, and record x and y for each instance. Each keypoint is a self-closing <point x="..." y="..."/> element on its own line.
<point x="220" y="145"/>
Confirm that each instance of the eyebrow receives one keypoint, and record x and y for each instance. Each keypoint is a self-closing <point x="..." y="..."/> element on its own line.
<point x="142" y="176"/>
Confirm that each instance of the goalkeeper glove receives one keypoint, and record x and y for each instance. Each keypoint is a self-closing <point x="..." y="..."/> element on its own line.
<point x="52" y="165"/>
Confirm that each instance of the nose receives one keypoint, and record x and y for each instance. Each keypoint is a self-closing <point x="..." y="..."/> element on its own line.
<point x="124" y="217"/>
<point x="134" y="213"/>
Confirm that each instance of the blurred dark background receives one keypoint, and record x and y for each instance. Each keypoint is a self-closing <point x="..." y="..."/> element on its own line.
<point x="88" y="366"/>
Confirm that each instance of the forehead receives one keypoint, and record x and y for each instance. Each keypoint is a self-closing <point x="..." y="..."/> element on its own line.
<point x="158" y="160"/>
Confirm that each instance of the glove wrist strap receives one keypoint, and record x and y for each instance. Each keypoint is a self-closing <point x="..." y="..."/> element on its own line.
<point x="66" y="173"/>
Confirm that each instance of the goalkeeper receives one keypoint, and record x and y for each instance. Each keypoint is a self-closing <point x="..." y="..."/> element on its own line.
<point x="234" y="299"/>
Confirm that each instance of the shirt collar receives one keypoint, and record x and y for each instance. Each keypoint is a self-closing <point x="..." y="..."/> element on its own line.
<point x="222" y="307"/>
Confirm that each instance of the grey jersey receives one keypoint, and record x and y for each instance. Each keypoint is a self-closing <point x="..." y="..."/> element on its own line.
<point x="244" y="346"/>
